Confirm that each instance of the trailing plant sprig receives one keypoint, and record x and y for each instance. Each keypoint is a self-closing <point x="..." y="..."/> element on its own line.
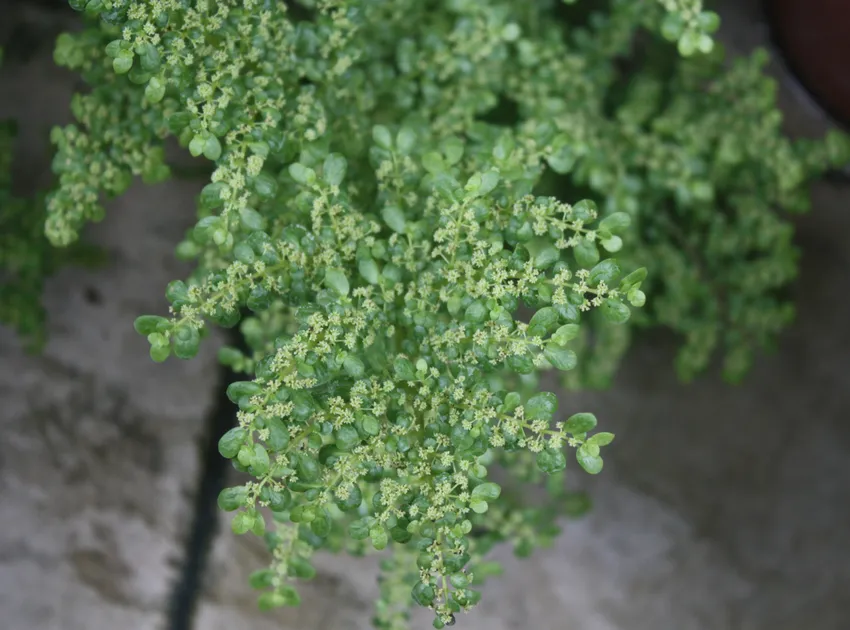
<point x="383" y="264"/>
<point x="399" y="361"/>
<point x="26" y="255"/>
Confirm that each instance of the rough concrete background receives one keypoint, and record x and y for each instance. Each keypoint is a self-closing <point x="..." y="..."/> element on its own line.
<point x="720" y="508"/>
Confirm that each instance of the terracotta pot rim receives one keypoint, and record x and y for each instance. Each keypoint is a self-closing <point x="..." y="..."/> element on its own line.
<point x="796" y="75"/>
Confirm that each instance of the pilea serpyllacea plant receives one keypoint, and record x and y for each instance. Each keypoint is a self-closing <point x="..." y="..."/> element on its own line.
<point x="415" y="207"/>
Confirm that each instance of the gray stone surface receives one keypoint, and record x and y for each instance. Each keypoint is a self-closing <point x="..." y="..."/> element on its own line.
<point x="99" y="454"/>
<point x="720" y="508"/>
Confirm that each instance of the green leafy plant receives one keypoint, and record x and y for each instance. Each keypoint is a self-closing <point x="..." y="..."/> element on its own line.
<point x="26" y="255"/>
<point x="400" y="223"/>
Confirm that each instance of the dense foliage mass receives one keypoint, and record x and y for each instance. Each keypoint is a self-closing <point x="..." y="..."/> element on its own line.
<point x="400" y="222"/>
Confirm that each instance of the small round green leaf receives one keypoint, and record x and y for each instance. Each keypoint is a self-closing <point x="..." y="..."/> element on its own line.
<point x="231" y="499"/>
<point x="242" y="522"/>
<point x="580" y="423"/>
<point x="394" y="217"/>
<point x="261" y="579"/>
<point x="487" y="491"/>
<point x="353" y="366"/>
<point x="333" y="170"/>
<point x="242" y="389"/>
<point x="358" y="530"/>
<point x="433" y="163"/>
<point x="403" y="369"/>
<point x="565" y="334"/>
<point x="615" y="311"/>
<point x="475" y="313"/>
<point x="586" y="253"/>
<point x="232" y="441"/>
<point x="551" y="461"/>
<point x="382" y="137"/>
<point x="187" y="340"/>
<point x="606" y="271"/>
<point x="616" y="222"/>
<point x="123" y="62"/>
<point x="304" y="175"/>
<point x="590" y="462"/>
<point x="347" y="437"/>
<point x="371" y="426"/>
<point x="260" y="461"/>
<point x="378" y="536"/>
<point x="423" y="594"/>
<point x="560" y="357"/>
<point x="212" y="148"/>
<point x="336" y="280"/>
<point x="541" y="406"/>
<point x="543" y="321"/>
<point x="633" y="279"/>
<point x="368" y="268"/>
<point x="601" y="439"/>
<point x="160" y="353"/>
<point x="147" y="324"/>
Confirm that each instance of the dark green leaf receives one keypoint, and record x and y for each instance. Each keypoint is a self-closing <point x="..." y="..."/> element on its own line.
<point x="560" y="357"/>
<point x="241" y="389"/>
<point x="352" y="501"/>
<point x="615" y="311"/>
<point x="187" y="340"/>
<point x="551" y="461"/>
<point x="278" y="434"/>
<point x="585" y="210"/>
<point x="475" y="313"/>
<point x="423" y="594"/>
<point x="403" y="369"/>
<point x="231" y="499"/>
<point x="543" y="321"/>
<point x="606" y="271"/>
<point x="541" y="406"/>
<point x="231" y="442"/>
<point x="347" y="437"/>
<point x="586" y="253"/>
